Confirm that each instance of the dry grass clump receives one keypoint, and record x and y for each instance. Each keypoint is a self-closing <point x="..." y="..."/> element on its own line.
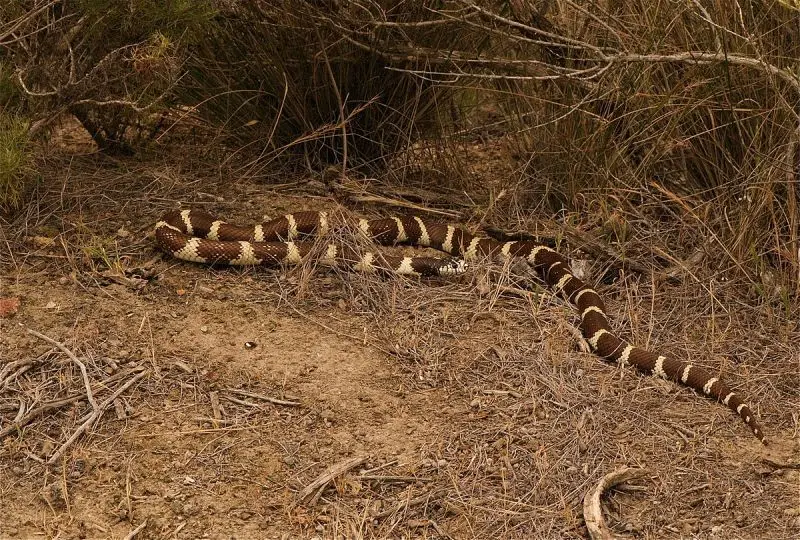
<point x="650" y="114"/>
<point x="312" y="80"/>
<point x="647" y="117"/>
<point x="15" y="160"/>
<point x="464" y="406"/>
<point x="110" y="64"/>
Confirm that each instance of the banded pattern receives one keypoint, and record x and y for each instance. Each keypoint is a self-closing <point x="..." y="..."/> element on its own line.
<point x="198" y="237"/>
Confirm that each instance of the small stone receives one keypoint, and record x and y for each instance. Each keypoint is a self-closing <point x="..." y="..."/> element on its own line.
<point x="176" y="506"/>
<point x="289" y="460"/>
<point x="50" y="305"/>
<point x="190" y="509"/>
<point x="204" y="328"/>
<point x="475" y="403"/>
<point x="441" y="463"/>
<point x="328" y="415"/>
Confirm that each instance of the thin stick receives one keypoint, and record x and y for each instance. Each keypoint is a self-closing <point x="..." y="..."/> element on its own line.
<point x="87" y="385"/>
<point x="49" y="406"/>
<point x="9" y="367"/>
<point x="342" y="118"/>
<point x="401" y="204"/>
<point x="94" y="416"/>
<point x="329" y="474"/>
<point x="215" y="407"/>
<point x="262" y="397"/>
<point x="35" y="413"/>
<point x="136" y="531"/>
<point x="416" y="501"/>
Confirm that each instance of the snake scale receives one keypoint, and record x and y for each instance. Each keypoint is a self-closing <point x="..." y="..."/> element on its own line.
<point x="197" y="236"/>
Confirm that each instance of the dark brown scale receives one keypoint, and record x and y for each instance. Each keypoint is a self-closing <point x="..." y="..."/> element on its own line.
<point x="274" y="230"/>
<point x="383" y="231"/>
<point x="552" y="266"/>
<point x="411" y="227"/>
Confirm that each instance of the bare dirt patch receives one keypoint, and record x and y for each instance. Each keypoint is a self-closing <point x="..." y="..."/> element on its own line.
<point x="474" y="412"/>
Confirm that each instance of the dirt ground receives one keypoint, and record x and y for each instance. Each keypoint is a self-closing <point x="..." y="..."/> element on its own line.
<point x="456" y="409"/>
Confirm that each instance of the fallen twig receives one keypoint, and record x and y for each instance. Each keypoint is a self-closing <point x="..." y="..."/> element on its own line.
<point x="31" y="415"/>
<point x="262" y="397"/>
<point x="136" y="531"/>
<point x="215" y="408"/>
<point x="23" y="420"/>
<point x="329" y="474"/>
<point x="391" y="478"/>
<point x="416" y="501"/>
<point x="94" y="416"/>
<point x="11" y="366"/>
<point x="87" y="385"/>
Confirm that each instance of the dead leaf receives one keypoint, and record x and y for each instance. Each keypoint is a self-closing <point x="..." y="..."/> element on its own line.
<point x="8" y="307"/>
<point x="41" y="241"/>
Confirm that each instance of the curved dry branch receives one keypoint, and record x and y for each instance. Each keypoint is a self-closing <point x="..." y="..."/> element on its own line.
<point x="592" y="512"/>
<point x="701" y="57"/>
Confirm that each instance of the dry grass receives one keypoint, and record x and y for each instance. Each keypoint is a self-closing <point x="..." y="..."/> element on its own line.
<point x="476" y="415"/>
<point x="635" y="114"/>
<point x="467" y="404"/>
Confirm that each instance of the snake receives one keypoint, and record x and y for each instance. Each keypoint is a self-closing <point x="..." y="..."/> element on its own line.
<point x="197" y="236"/>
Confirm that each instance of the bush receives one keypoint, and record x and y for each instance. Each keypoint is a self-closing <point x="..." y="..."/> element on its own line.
<point x="111" y="64"/>
<point x="667" y="112"/>
<point x="289" y="78"/>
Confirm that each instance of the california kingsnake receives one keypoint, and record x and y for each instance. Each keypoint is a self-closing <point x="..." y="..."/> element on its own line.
<point x="196" y="236"/>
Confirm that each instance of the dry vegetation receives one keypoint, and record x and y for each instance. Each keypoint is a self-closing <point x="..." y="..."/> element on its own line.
<point x="658" y="144"/>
